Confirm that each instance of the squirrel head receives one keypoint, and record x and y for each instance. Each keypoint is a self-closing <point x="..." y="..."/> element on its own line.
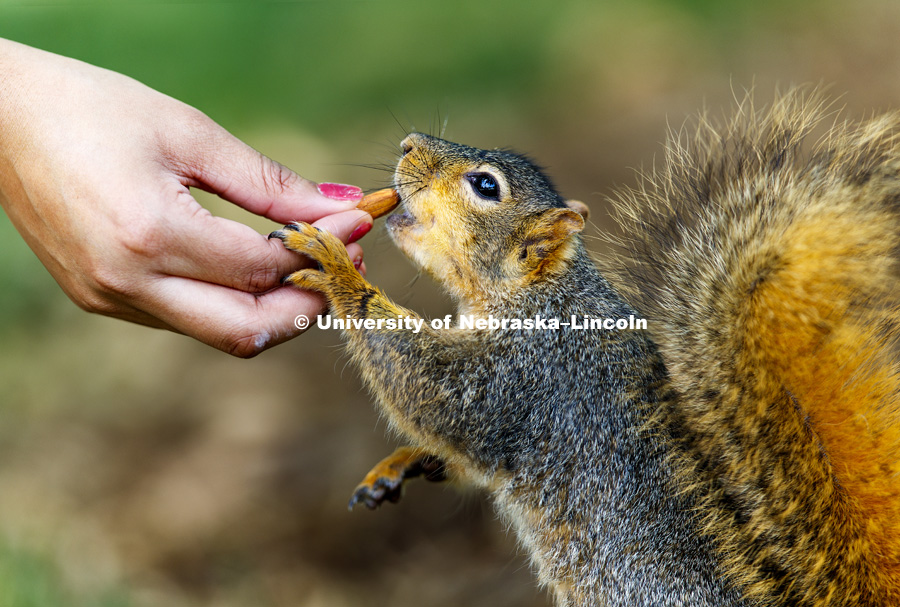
<point x="484" y="223"/>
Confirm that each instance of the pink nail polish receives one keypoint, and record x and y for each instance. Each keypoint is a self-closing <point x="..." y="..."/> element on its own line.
<point x="359" y="232"/>
<point x="357" y="262"/>
<point x="340" y="191"/>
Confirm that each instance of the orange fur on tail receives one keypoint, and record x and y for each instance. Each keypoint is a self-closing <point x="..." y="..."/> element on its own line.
<point x="823" y="325"/>
<point x="768" y="271"/>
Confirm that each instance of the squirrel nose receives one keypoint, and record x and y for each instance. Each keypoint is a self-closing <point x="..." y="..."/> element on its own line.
<point x="406" y="146"/>
<point x="409" y="143"/>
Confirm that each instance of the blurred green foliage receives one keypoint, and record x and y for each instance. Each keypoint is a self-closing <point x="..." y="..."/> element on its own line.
<point x="26" y="289"/>
<point x="311" y="62"/>
<point x="30" y="580"/>
<point x="316" y="62"/>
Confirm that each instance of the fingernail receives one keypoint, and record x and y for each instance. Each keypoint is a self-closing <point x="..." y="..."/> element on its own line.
<point x="340" y="191"/>
<point x="357" y="262"/>
<point x="359" y="232"/>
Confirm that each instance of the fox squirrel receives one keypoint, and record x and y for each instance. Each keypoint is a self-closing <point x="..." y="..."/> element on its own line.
<point x="743" y="449"/>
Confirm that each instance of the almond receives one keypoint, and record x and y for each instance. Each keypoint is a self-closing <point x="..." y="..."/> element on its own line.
<point x="379" y="203"/>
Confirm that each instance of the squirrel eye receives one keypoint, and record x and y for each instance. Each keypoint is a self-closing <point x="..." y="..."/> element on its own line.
<point x="485" y="185"/>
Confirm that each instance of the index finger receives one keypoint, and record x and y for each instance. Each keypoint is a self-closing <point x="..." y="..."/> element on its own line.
<point x="214" y="160"/>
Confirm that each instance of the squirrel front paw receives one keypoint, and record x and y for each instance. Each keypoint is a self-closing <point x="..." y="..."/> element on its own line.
<point x="336" y="274"/>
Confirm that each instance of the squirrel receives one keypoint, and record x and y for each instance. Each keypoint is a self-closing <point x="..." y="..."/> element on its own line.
<point x="740" y="450"/>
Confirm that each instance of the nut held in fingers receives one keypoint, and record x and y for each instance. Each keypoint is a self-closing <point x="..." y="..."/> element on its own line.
<point x="379" y="203"/>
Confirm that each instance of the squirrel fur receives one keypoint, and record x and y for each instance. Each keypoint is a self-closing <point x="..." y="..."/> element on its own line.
<point x="743" y="449"/>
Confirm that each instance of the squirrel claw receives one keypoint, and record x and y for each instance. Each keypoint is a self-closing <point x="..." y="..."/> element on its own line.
<point x="280" y="234"/>
<point x="375" y="494"/>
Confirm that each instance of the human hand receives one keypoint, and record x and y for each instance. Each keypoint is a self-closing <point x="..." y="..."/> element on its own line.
<point x="95" y="171"/>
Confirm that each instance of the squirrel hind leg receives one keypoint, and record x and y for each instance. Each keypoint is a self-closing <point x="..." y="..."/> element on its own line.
<point x="384" y="482"/>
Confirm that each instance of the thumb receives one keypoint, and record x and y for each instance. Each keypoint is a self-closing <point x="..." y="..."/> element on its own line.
<point x="214" y="160"/>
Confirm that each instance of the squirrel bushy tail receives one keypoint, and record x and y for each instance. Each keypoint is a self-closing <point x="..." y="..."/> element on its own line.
<point x="767" y="268"/>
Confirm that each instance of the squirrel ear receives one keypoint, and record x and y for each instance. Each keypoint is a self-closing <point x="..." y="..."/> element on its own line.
<point x="557" y="224"/>
<point x="543" y="242"/>
<point x="579" y="207"/>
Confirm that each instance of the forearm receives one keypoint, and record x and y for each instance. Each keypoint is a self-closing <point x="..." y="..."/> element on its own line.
<point x="15" y="83"/>
<point x="406" y="362"/>
<point x="450" y="390"/>
<point x="427" y="383"/>
<point x="15" y="66"/>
